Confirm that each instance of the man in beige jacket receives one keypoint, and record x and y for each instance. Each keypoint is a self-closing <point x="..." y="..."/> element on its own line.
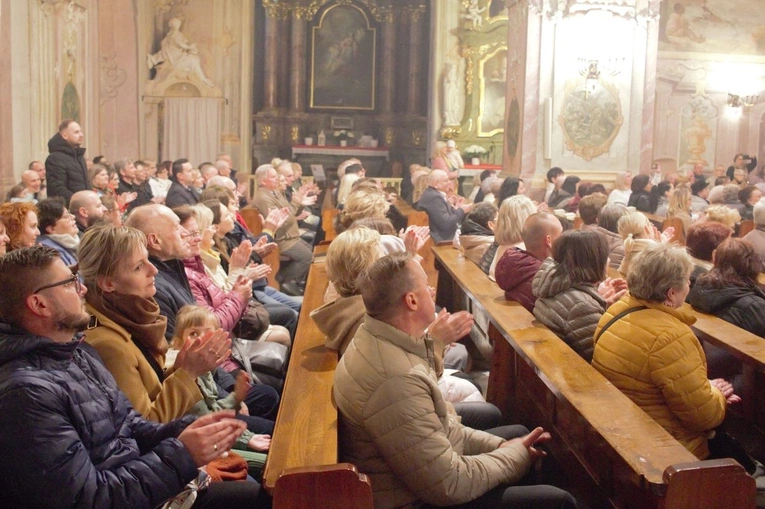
<point x="394" y="423"/>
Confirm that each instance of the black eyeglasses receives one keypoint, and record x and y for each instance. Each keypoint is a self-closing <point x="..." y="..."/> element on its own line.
<point x="73" y="279"/>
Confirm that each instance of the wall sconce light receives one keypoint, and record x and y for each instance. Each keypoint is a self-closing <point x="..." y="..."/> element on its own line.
<point x="740" y="101"/>
<point x="591" y="69"/>
<point x="736" y="103"/>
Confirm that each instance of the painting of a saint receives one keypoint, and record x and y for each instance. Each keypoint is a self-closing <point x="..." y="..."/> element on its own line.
<point x="343" y="60"/>
<point x="712" y="26"/>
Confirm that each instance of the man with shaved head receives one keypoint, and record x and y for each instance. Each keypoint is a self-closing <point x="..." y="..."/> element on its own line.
<point x="32" y="182"/>
<point x="168" y="244"/>
<point x="87" y="209"/>
<point x="517" y="267"/>
<point x="444" y="215"/>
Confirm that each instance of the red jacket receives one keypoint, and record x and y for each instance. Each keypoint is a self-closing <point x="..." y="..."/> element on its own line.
<point x="514" y="273"/>
<point x="228" y="308"/>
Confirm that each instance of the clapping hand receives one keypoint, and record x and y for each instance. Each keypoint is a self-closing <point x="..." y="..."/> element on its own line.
<point x="263" y="248"/>
<point x="276" y="218"/>
<point x="257" y="271"/>
<point x="415" y="237"/>
<point x="667" y="234"/>
<point x="201" y="355"/>
<point x="612" y="289"/>
<point x="210" y="436"/>
<point x="448" y="328"/>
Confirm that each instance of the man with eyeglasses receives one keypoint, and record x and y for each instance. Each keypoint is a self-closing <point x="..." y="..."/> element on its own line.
<point x="72" y="437"/>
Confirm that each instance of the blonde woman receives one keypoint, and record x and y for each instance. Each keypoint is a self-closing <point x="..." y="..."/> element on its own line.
<point x="622" y="188"/>
<point x="364" y="202"/>
<point x="420" y="183"/>
<point x="130" y="332"/>
<point x="723" y="214"/>
<point x="637" y="232"/>
<point x="350" y="255"/>
<point x="345" y="187"/>
<point x="680" y="207"/>
<point x="512" y="214"/>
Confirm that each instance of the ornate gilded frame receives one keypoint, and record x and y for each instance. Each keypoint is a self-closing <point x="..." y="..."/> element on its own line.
<point x="482" y="95"/>
<point x="606" y="95"/>
<point x="340" y="86"/>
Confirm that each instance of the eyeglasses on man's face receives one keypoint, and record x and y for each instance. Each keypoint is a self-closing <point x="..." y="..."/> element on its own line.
<point x="73" y="280"/>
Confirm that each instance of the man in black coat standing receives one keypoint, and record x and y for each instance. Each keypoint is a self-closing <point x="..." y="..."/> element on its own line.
<point x="65" y="167"/>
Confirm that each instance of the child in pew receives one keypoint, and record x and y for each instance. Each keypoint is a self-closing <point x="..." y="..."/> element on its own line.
<point x="193" y="322"/>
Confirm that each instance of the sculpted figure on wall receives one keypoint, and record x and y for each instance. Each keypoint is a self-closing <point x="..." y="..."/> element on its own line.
<point x="452" y="96"/>
<point x="179" y="54"/>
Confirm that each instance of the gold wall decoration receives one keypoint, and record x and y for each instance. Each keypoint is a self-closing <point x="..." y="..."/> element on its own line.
<point x="277" y="9"/>
<point x="295" y="133"/>
<point x="265" y="132"/>
<point x="450" y="132"/>
<point x="492" y="85"/>
<point x="417" y="138"/>
<point x="389" y="136"/>
<point x="590" y="121"/>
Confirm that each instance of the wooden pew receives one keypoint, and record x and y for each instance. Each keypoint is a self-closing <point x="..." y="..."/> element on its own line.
<point x="302" y="470"/>
<point x="675" y="222"/>
<point x="745" y="227"/>
<point x="328" y="223"/>
<point x="612" y="450"/>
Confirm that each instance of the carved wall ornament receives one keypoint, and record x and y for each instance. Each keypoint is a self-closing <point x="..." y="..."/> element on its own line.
<point x="389" y="136"/>
<point x="381" y="13"/>
<point x="590" y="120"/>
<point x="265" y="132"/>
<point x="295" y="133"/>
<point x="111" y="76"/>
<point x="74" y="16"/>
<point x="162" y="7"/>
<point x="417" y="137"/>
<point x="226" y="40"/>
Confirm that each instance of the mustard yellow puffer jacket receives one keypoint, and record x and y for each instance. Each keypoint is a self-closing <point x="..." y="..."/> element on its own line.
<point x="396" y="428"/>
<point x="654" y="358"/>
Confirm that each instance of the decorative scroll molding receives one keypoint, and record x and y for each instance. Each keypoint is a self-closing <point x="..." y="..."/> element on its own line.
<point x="642" y="12"/>
<point x="74" y="16"/>
<point x="226" y="40"/>
<point x="307" y="10"/>
<point x="111" y="77"/>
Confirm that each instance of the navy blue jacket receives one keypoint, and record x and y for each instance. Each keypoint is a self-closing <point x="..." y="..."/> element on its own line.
<point x="70" y="439"/>
<point x="173" y="291"/>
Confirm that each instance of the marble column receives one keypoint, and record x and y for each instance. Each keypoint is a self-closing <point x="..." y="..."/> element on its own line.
<point x="297" y="64"/>
<point x="270" y="66"/>
<point x="414" y="71"/>
<point x="388" y="71"/>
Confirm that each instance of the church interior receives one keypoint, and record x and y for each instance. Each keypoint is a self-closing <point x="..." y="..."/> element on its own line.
<point x="525" y="90"/>
<point x="594" y="86"/>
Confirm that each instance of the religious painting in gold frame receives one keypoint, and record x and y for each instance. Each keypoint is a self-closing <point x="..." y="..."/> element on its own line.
<point x="492" y="86"/>
<point x="590" y="119"/>
<point x="343" y="60"/>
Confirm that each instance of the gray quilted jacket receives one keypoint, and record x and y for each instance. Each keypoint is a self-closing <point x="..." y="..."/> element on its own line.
<point x="570" y="311"/>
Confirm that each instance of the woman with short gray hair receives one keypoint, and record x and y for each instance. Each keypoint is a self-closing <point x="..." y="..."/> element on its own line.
<point x="644" y="346"/>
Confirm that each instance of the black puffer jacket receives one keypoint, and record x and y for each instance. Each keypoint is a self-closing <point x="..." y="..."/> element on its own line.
<point x="70" y="439"/>
<point x="743" y="306"/>
<point x="66" y="171"/>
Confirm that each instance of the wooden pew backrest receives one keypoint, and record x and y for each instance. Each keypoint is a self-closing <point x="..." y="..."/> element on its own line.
<point x="338" y="486"/>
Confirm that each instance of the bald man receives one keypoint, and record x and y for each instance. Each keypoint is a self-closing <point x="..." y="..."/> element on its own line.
<point x="87" y="209"/>
<point x="444" y="218"/>
<point x="517" y="267"/>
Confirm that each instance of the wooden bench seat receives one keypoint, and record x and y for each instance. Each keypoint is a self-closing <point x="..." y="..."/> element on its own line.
<point x="612" y="450"/>
<point x="301" y="471"/>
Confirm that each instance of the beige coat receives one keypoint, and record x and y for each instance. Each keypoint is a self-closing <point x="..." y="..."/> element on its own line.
<point x="288" y="234"/>
<point x="155" y="400"/>
<point x="395" y="427"/>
